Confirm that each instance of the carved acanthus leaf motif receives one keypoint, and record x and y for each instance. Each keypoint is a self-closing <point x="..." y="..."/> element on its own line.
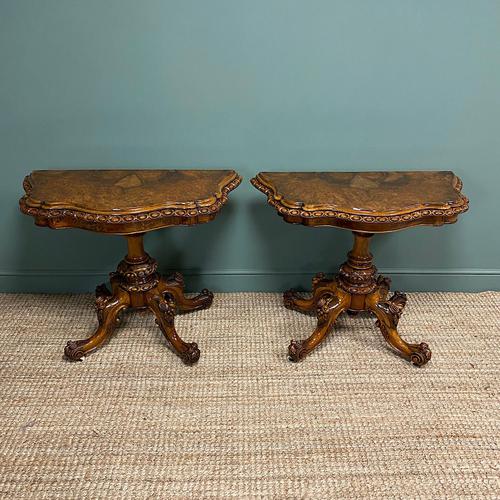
<point x="394" y="306"/>
<point x="167" y="305"/>
<point x="325" y="304"/>
<point x="101" y="301"/>
<point x="175" y="279"/>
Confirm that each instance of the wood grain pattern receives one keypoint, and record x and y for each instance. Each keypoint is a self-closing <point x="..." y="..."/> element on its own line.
<point x="125" y="201"/>
<point x="355" y="289"/>
<point x="364" y="201"/>
<point x="131" y="202"/>
<point x="136" y="284"/>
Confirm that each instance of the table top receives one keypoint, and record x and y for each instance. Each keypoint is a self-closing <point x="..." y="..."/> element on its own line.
<point x="365" y="201"/>
<point x="125" y="201"/>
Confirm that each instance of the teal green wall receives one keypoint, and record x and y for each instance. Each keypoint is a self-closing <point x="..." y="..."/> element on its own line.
<point x="253" y="85"/>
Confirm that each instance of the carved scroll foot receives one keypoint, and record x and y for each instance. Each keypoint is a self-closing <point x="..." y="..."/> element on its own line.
<point x="164" y="310"/>
<point x="174" y="286"/>
<point x="73" y="351"/>
<point x="421" y="354"/>
<point x="192" y="354"/>
<point x="108" y="308"/>
<point x="297" y="350"/>
<point x="292" y="300"/>
<point x="201" y="301"/>
<point x="388" y="313"/>
<point x="330" y="304"/>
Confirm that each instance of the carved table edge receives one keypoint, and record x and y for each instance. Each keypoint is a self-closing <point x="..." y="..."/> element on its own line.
<point x="275" y="199"/>
<point x="147" y="215"/>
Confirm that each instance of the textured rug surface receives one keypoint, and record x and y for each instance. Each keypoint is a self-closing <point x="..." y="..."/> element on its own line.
<point x="353" y="420"/>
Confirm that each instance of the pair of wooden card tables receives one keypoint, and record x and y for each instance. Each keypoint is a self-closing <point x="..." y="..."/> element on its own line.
<point x="133" y="202"/>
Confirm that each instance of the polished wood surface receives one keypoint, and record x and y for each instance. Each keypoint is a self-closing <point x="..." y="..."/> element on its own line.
<point x="131" y="202"/>
<point x="356" y="288"/>
<point x="367" y="203"/>
<point x="125" y="201"/>
<point x="364" y="201"/>
<point x="136" y="284"/>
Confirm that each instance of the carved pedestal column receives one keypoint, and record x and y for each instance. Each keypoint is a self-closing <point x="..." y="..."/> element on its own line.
<point x="356" y="288"/>
<point x="136" y="284"/>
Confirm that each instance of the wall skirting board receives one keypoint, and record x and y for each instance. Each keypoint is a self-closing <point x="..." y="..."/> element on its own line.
<point x="409" y="280"/>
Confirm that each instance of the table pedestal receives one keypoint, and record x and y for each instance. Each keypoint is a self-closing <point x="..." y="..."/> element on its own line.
<point x="136" y="284"/>
<point x="356" y="288"/>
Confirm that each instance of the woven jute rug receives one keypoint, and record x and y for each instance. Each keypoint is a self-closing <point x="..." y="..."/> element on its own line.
<point x="353" y="420"/>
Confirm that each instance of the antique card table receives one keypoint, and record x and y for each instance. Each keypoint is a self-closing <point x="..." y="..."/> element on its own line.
<point x="131" y="203"/>
<point x="366" y="203"/>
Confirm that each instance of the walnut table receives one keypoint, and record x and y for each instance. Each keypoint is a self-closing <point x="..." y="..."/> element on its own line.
<point x="131" y="203"/>
<point x="366" y="203"/>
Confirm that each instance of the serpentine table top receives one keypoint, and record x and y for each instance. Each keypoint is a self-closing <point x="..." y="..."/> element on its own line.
<point x="364" y="201"/>
<point x="131" y="203"/>
<point x="125" y="201"/>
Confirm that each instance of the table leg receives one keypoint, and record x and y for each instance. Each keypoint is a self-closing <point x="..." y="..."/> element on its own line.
<point x="108" y="308"/>
<point x="136" y="284"/>
<point x="329" y="303"/>
<point x="292" y="300"/>
<point x="388" y="312"/>
<point x="174" y="286"/>
<point x="356" y="288"/>
<point x="164" y="310"/>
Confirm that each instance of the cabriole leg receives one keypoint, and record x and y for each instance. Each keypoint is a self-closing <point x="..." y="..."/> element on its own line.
<point x="108" y="308"/>
<point x="388" y="313"/>
<point x="174" y="286"/>
<point x="293" y="301"/>
<point x="164" y="310"/>
<point x="329" y="306"/>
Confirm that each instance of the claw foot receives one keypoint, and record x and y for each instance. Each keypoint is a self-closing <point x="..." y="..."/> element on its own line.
<point x="421" y="355"/>
<point x="192" y="354"/>
<point x="296" y="351"/>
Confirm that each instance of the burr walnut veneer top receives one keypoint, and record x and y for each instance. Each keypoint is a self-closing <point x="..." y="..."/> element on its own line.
<point x="125" y="201"/>
<point x="364" y="201"/>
